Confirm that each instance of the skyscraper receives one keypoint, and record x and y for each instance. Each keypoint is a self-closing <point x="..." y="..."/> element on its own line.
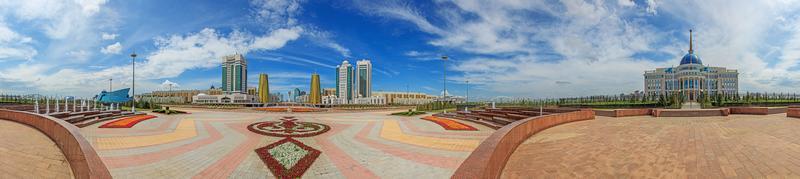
<point x="363" y="79"/>
<point x="263" y="88"/>
<point x="344" y="81"/>
<point x="316" y="95"/>
<point x="234" y="74"/>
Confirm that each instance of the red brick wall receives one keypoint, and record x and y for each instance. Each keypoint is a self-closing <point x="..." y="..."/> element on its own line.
<point x="750" y="110"/>
<point x="793" y="112"/>
<point x="79" y="153"/>
<point x="690" y="113"/>
<point x="489" y="159"/>
<point x="632" y="112"/>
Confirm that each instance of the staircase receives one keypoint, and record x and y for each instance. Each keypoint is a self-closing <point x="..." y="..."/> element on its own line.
<point x="497" y="118"/>
<point x="79" y="119"/>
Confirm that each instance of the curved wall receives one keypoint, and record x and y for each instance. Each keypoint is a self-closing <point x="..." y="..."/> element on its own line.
<point x="81" y="156"/>
<point x="489" y="159"/>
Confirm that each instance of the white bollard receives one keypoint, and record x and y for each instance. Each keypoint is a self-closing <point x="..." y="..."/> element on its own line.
<point x="47" y="108"/>
<point x="57" y="106"/>
<point x="36" y="105"/>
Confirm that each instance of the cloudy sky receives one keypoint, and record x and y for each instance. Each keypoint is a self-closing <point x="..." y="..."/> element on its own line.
<point x="520" y="48"/>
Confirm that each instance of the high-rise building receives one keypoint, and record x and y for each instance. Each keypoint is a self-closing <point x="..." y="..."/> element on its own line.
<point x="316" y="95"/>
<point x="362" y="81"/>
<point x="691" y="79"/>
<point x="234" y="74"/>
<point x="344" y="81"/>
<point x="329" y="92"/>
<point x="263" y="88"/>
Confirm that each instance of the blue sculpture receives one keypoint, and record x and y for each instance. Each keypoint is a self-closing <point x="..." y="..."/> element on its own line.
<point x="118" y="96"/>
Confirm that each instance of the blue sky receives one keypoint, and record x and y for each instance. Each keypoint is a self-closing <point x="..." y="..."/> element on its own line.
<point x="504" y="47"/>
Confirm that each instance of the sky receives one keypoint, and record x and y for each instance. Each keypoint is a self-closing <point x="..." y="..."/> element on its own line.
<point x="496" y="48"/>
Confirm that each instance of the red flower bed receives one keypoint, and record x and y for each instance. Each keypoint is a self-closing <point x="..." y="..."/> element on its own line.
<point x="127" y="122"/>
<point x="449" y="124"/>
<point x="307" y="157"/>
<point x="288" y="127"/>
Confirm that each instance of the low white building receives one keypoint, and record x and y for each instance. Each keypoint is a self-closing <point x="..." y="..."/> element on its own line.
<point x="224" y="99"/>
<point x="373" y="100"/>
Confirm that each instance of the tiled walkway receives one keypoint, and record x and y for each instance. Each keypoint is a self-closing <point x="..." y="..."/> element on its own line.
<point x="737" y="146"/>
<point x="27" y="153"/>
<point x="214" y="144"/>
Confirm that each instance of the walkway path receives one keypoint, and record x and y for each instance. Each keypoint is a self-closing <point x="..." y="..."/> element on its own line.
<point x="737" y="146"/>
<point x="215" y="144"/>
<point x="27" y="153"/>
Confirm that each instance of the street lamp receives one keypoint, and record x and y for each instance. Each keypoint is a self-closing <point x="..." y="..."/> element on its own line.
<point x="467" y="91"/>
<point x="444" y="82"/>
<point x="133" y="84"/>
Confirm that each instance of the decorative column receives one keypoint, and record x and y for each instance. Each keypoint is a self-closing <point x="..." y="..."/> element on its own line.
<point x="36" y="105"/>
<point x="57" y="106"/>
<point x="47" y="108"/>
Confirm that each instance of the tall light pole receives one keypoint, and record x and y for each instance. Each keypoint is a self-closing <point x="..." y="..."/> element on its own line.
<point x="444" y="82"/>
<point x="444" y="76"/>
<point x="467" y="91"/>
<point x="133" y="85"/>
<point x="109" y="84"/>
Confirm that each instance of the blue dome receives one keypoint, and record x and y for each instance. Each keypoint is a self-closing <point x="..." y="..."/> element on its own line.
<point x="690" y="58"/>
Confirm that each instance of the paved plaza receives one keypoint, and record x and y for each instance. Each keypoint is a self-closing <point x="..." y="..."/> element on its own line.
<point x="736" y="146"/>
<point x="27" y="153"/>
<point x="217" y="144"/>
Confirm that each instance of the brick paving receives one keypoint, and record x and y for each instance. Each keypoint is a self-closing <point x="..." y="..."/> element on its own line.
<point x="737" y="146"/>
<point x="27" y="153"/>
<point x="217" y="144"/>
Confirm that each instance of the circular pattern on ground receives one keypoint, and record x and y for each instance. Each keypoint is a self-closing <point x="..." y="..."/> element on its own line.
<point x="288" y="127"/>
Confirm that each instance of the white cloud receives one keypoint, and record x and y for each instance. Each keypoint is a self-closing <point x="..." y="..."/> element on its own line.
<point x="15" y="46"/>
<point x="115" y="48"/>
<point x="276" y="13"/>
<point x="167" y="85"/>
<point x="107" y="36"/>
<point x="627" y="3"/>
<point x="593" y="46"/>
<point x="79" y="55"/>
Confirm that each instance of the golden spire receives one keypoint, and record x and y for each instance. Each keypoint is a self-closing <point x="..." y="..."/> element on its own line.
<point x="690" y="41"/>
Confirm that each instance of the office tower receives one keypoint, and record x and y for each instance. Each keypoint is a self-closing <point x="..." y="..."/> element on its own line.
<point x="363" y="79"/>
<point x="263" y="88"/>
<point x="234" y="74"/>
<point x="344" y="81"/>
<point x="316" y="95"/>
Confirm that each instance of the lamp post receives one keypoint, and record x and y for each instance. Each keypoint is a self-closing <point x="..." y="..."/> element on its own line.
<point x="444" y="82"/>
<point x="133" y="84"/>
<point x="467" y="100"/>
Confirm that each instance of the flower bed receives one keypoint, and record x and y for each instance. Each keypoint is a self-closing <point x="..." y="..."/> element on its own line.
<point x="285" y="109"/>
<point x="288" y="158"/>
<point x="271" y="109"/>
<point x="449" y="124"/>
<point x="127" y="122"/>
<point x="288" y="127"/>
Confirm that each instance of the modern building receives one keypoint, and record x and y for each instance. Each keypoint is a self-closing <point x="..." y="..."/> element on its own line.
<point x="362" y="79"/>
<point x="315" y="97"/>
<point x="234" y="74"/>
<point x="235" y="98"/>
<point x="263" y="88"/>
<point x="406" y="98"/>
<point x="344" y="81"/>
<point x="691" y="79"/>
<point x="293" y="95"/>
<point x="329" y="92"/>
<point x="372" y="100"/>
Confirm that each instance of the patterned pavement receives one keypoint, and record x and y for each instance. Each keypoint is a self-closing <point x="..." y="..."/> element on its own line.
<point x="737" y="146"/>
<point x="215" y="144"/>
<point x="27" y="153"/>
